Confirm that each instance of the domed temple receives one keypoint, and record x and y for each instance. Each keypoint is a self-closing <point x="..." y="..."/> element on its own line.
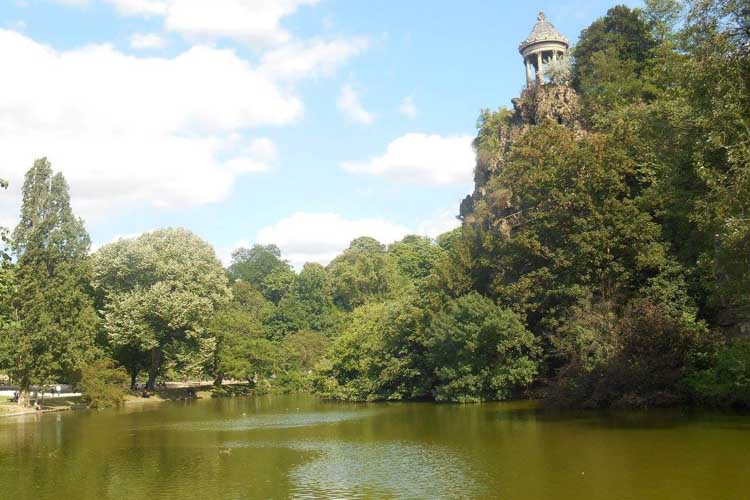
<point x="543" y="44"/>
<point x="539" y="102"/>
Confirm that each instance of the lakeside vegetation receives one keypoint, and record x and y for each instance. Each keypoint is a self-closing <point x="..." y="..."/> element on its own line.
<point x="631" y="243"/>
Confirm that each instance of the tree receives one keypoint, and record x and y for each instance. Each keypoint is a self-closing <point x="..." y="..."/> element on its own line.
<point x="363" y="272"/>
<point x="579" y="228"/>
<point x="415" y="257"/>
<point x="480" y="352"/>
<point x="379" y="355"/>
<point x="54" y="334"/>
<point x="161" y="290"/>
<point x="622" y="29"/>
<point x="233" y="327"/>
<point x="7" y="290"/>
<point x="610" y="56"/>
<point x="643" y="357"/>
<point x="695" y="138"/>
<point x="262" y="267"/>
<point x="662" y="17"/>
<point x="103" y="384"/>
<point x="249" y="358"/>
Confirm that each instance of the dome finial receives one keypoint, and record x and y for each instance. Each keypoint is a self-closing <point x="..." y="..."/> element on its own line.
<point x="541" y="16"/>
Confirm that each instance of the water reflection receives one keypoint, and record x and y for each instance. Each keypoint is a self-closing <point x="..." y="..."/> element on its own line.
<point x="391" y="469"/>
<point x="299" y="447"/>
<point x="268" y="421"/>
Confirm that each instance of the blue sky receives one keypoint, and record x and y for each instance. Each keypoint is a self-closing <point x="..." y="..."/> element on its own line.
<point x="300" y="122"/>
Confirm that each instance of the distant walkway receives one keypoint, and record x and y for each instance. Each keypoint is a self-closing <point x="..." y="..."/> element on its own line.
<point x="47" y="395"/>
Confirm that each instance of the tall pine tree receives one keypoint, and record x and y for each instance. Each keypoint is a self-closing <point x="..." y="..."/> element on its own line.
<point x="57" y="323"/>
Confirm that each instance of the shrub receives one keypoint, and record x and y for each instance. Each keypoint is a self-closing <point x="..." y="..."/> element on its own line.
<point x="103" y="384"/>
<point x="480" y="351"/>
<point x="726" y="382"/>
<point x="645" y="354"/>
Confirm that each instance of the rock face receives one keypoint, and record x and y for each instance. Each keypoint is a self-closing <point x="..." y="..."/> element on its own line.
<point x="558" y="103"/>
<point x="537" y="104"/>
<point x="734" y="322"/>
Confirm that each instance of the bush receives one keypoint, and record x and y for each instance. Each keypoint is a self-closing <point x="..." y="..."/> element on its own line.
<point x="726" y="383"/>
<point x="643" y="358"/>
<point x="480" y="351"/>
<point x="103" y="384"/>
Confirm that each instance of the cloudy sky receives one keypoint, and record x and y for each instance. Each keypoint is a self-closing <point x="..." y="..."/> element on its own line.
<point x="304" y="123"/>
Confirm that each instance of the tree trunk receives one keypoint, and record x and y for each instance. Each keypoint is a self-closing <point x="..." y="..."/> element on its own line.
<point x="133" y="378"/>
<point x="219" y="379"/>
<point x="24" y="398"/>
<point x="153" y="371"/>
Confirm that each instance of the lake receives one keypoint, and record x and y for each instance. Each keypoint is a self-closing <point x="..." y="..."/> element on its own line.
<point x="301" y="447"/>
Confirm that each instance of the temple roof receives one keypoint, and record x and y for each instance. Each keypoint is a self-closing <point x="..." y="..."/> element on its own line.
<point x="543" y="31"/>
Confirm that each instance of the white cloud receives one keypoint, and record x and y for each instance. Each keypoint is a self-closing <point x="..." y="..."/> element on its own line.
<point x="144" y="8"/>
<point x="408" y="108"/>
<point x="311" y="58"/>
<point x="251" y="21"/>
<point x="129" y="131"/>
<point x="96" y="246"/>
<point x="69" y="3"/>
<point x="424" y="159"/>
<point x="440" y="223"/>
<point x="319" y="237"/>
<point x="146" y="41"/>
<point x="349" y="104"/>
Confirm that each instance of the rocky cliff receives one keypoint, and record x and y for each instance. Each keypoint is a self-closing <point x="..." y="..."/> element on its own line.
<point x="559" y="103"/>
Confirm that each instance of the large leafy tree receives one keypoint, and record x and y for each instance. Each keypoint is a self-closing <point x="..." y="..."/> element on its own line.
<point x="415" y="257"/>
<point x="623" y="29"/>
<point x="610" y="57"/>
<point x="362" y="273"/>
<point x="235" y="331"/>
<point x="262" y="267"/>
<point x="56" y="321"/>
<point x="379" y="356"/>
<point x="577" y="227"/>
<point x="160" y="291"/>
<point x="308" y="306"/>
<point x="479" y="351"/>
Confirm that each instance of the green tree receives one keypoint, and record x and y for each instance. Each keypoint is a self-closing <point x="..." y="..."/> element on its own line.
<point x="103" y="384"/>
<point x="379" y="356"/>
<point x="160" y="291"/>
<point x="55" y="331"/>
<point x="640" y="354"/>
<point x="262" y="267"/>
<point x="7" y="290"/>
<point x="232" y="328"/>
<point x="415" y="257"/>
<point x="610" y="57"/>
<point x="480" y="352"/>
<point x="622" y="29"/>
<point x="662" y="17"/>
<point x="363" y="272"/>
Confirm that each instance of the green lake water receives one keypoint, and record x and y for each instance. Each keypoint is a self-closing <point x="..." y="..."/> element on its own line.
<point x="300" y="447"/>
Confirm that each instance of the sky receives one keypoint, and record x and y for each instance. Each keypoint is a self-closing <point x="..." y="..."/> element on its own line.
<point x="304" y="123"/>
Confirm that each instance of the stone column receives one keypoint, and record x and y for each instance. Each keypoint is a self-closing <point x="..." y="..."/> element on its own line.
<point x="539" y="67"/>
<point x="527" y="63"/>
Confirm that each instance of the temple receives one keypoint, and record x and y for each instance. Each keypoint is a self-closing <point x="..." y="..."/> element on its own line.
<point x="543" y="44"/>
<point x="539" y="102"/>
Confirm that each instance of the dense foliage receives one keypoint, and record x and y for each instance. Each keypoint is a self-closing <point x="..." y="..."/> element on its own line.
<point x="159" y="292"/>
<point x="53" y="332"/>
<point x="605" y="263"/>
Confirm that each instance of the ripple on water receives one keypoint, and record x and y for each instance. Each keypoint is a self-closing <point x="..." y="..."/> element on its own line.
<point x="383" y="470"/>
<point x="270" y="421"/>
